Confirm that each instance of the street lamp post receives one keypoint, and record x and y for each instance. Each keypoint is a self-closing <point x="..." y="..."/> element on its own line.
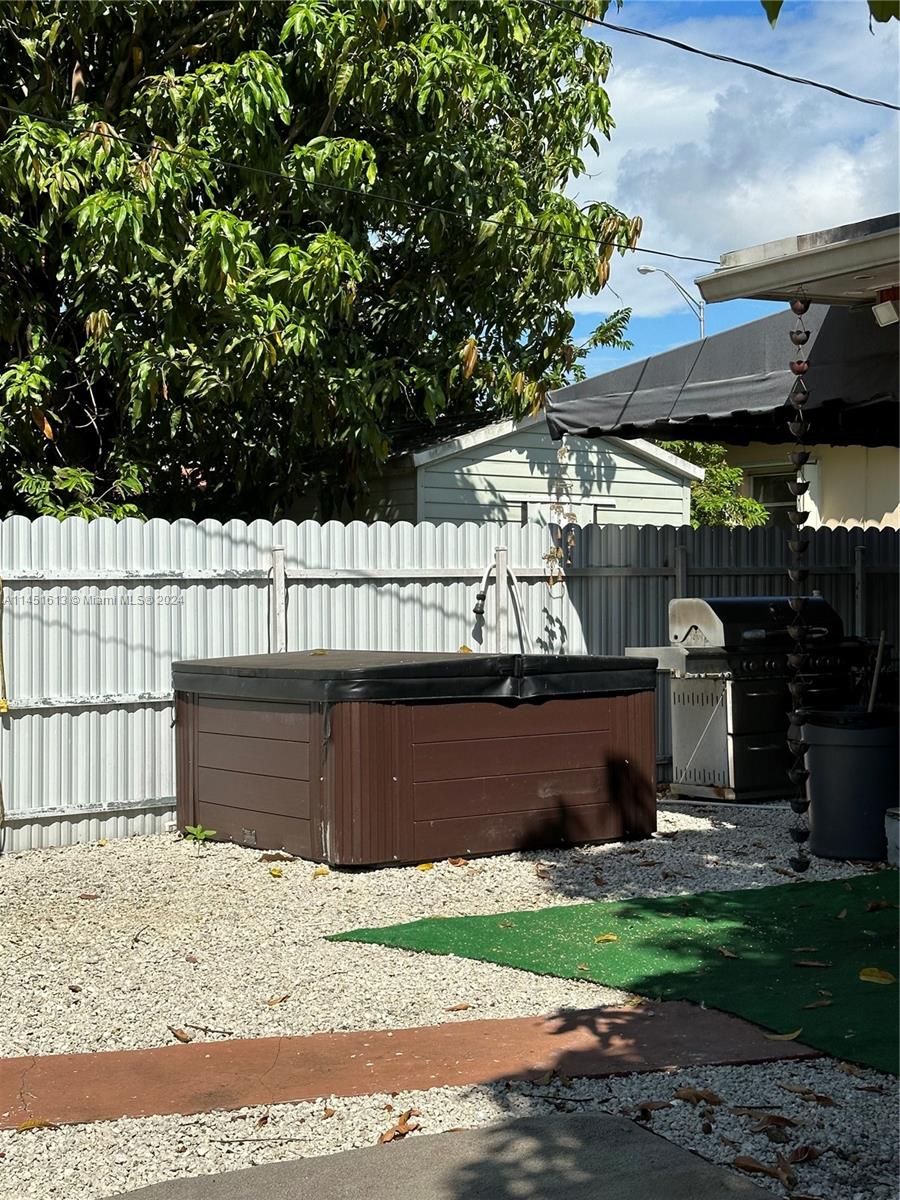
<point x="697" y="307"/>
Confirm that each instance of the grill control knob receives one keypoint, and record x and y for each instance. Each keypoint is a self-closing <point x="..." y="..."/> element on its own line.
<point x="752" y="664"/>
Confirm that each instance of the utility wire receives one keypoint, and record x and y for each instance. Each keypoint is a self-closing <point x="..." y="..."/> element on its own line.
<point x="724" y="58"/>
<point x="418" y="205"/>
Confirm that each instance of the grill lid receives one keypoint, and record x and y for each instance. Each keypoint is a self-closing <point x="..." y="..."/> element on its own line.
<point x="735" y="622"/>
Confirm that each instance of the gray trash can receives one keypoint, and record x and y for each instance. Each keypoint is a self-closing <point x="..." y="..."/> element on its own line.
<point x="852" y="759"/>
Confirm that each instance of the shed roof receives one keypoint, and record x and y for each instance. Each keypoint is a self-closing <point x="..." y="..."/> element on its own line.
<point x="501" y="429"/>
<point x="734" y="387"/>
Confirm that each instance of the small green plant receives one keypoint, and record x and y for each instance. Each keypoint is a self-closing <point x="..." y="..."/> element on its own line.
<point x="197" y="834"/>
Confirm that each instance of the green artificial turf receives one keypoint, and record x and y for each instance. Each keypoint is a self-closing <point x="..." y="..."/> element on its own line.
<point x="671" y="948"/>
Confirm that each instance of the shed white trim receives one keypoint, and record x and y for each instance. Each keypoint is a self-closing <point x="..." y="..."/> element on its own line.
<point x="501" y="429"/>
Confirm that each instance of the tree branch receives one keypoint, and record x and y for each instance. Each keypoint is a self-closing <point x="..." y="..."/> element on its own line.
<point x="115" y="88"/>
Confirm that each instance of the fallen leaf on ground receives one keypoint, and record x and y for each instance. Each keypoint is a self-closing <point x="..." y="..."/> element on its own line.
<point x="74" y="987"/>
<point x="841" y="914"/>
<point x="753" y="1166"/>
<point x="784" y="1037"/>
<point x="876" y="975"/>
<point x="191" y="958"/>
<point x="180" y="1035"/>
<point x="583" y="967"/>
<point x="808" y="1094"/>
<point x="850" y="1068"/>
<point x="320" y="872"/>
<point x="461" y="1007"/>
<point x="543" y="1079"/>
<point x="326" y="1113"/>
<point x="633" y="1001"/>
<point x="770" y="1121"/>
<point x="786" y="1174"/>
<point x="506" y="924"/>
<point x="697" y="1095"/>
<point x="602" y="938"/>
<point x="876" y="905"/>
<point x="726" y="953"/>
<point x="542" y="870"/>
<point x="819" y="1004"/>
<point x="802" y="1154"/>
<point x="847" y="887"/>
<point x="401" y="1128"/>
<point x="261" y="1121"/>
<point x="102" y="841"/>
<point x="276" y="872"/>
<point x="741" y="1111"/>
<point x="276" y="856"/>
<point x="727" y="1141"/>
<point x="458" y="862"/>
<point x="273" y="1000"/>
<point x="870" y="1087"/>
<point x="645" y="1108"/>
<point x="776" y="1134"/>
<point x="88" y="895"/>
<point x="648" y="862"/>
<point x="35" y="1123"/>
<point x="425" y="866"/>
<point x="783" y="871"/>
<point x="810" y="962"/>
<point x="805" y="949"/>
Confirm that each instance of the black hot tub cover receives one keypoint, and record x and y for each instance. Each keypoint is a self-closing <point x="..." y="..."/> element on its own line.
<point x="331" y="676"/>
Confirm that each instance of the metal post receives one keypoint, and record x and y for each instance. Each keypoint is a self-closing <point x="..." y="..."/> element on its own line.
<point x="681" y="573"/>
<point x="501" y="599"/>
<point x="859" y="591"/>
<point x="278" y="604"/>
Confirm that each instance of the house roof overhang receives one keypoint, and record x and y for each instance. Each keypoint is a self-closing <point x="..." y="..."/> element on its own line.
<point x="847" y="265"/>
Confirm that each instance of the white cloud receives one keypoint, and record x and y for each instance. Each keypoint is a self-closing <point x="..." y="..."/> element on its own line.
<point x="715" y="157"/>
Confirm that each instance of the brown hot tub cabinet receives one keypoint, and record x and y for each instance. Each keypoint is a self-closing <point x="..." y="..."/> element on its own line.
<point x="356" y="758"/>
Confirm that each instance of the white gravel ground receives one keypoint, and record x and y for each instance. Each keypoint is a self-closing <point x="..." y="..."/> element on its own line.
<point x="105" y="947"/>
<point x="857" y="1135"/>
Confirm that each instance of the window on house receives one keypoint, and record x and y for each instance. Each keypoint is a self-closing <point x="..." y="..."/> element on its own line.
<point x="771" y="490"/>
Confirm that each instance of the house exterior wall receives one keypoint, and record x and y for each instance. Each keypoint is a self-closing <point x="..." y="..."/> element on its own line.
<point x="521" y="476"/>
<point x="849" y="485"/>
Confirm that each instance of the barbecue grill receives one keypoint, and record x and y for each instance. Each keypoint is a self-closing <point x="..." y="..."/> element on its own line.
<point x="733" y="661"/>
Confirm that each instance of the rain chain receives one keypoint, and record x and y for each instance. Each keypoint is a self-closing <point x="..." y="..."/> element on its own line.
<point x="798" y="659"/>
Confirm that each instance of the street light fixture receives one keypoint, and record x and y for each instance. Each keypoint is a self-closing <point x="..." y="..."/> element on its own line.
<point x="698" y="307"/>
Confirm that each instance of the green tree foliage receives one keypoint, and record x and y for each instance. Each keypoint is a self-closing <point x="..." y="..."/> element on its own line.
<point x="717" y="499"/>
<point x="879" y="10"/>
<point x="186" y="336"/>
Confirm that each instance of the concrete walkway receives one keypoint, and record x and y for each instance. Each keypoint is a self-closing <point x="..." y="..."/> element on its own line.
<point x="209" y="1076"/>
<point x="578" y="1157"/>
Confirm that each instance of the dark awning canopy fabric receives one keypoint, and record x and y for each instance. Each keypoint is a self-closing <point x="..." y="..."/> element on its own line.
<point x="734" y="387"/>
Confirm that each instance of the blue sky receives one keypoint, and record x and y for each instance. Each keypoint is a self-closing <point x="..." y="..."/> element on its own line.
<point x="716" y="158"/>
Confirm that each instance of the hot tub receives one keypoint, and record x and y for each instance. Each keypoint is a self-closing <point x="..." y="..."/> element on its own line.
<point x="353" y="758"/>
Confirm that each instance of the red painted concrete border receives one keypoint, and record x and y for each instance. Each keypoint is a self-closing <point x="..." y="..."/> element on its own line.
<point x="206" y="1076"/>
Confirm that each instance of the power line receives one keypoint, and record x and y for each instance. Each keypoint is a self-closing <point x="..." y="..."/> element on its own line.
<point x="418" y="205"/>
<point x="724" y="58"/>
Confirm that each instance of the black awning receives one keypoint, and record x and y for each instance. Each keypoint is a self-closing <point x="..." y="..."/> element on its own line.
<point x="734" y="387"/>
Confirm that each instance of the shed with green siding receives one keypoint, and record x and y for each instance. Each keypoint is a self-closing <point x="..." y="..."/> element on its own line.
<point x="512" y="471"/>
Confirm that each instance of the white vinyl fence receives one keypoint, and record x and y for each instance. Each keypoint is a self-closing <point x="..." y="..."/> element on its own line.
<point x="95" y="613"/>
